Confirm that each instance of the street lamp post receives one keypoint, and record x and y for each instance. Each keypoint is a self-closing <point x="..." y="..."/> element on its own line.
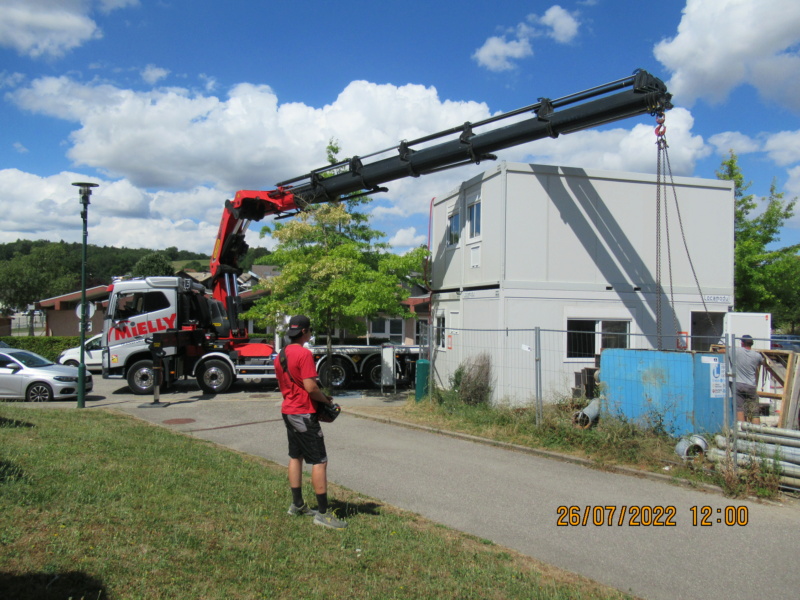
<point x="86" y="191"/>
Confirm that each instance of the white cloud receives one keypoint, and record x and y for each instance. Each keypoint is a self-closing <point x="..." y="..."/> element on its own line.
<point x="406" y="238"/>
<point x="120" y="214"/>
<point x="153" y="74"/>
<point x="498" y="52"/>
<point x="793" y="187"/>
<point x="106" y="6"/>
<point x="563" y="25"/>
<point x="784" y="147"/>
<point x="10" y="79"/>
<point x="156" y="234"/>
<point x="209" y="82"/>
<point x="121" y="199"/>
<point x="34" y="206"/>
<point x="387" y="212"/>
<point x="20" y="148"/>
<point x="621" y="149"/>
<point x="200" y="203"/>
<point x="172" y="157"/>
<point x="39" y="27"/>
<point x="171" y="138"/>
<point x="723" y="44"/>
<point x="736" y="141"/>
<point x="52" y="27"/>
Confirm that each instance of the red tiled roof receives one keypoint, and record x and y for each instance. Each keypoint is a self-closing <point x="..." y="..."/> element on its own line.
<point x="99" y="292"/>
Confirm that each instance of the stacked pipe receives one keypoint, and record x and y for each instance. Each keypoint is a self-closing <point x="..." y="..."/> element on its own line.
<point x="781" y="447"/>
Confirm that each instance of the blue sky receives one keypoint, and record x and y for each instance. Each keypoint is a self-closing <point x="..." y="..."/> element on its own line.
<point x="173" y="105"/>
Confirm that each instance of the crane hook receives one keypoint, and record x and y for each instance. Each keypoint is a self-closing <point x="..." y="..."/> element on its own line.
<point x="661" y="129"/>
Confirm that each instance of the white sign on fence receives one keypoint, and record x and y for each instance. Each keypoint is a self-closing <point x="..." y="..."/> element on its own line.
<point x="717" y="375"/>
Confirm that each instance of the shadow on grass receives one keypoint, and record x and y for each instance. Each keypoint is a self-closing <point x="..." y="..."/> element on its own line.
<point x="52" y="586"/>
<point x="348" y="509"/>
<point x="6" y="422"/>
<point x="10" y="472"/>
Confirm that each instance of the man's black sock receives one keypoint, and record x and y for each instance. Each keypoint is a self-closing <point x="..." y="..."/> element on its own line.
<point x="322" y="503"/>
<point x="297" y="496"/>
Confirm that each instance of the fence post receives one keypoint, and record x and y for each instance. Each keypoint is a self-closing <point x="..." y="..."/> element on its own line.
<point x="431" y="354"/>
<point x="730" y="398"/>
<point x="538" y="374"/>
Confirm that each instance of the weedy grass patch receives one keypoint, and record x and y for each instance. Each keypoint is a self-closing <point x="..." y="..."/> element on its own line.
<point x="100" y="506"/>
<point x="612" y="441"/>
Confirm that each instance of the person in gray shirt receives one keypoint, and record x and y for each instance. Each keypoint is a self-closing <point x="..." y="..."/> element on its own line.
<point x="748" y="363"/>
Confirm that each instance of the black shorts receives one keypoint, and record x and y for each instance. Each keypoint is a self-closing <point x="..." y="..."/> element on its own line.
<point x="305" y="438"/>
<point x="747" y="401"/>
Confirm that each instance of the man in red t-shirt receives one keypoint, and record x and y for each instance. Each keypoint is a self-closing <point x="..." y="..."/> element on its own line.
<point x="297" y="378"/>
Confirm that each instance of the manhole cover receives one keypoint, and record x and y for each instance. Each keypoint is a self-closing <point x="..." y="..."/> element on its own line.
<point x="178" y="421"/>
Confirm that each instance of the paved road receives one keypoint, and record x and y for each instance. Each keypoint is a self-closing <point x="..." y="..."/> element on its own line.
<point x="513" y="498"/>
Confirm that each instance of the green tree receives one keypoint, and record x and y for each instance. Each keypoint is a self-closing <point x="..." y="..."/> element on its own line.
<point x="786" y="308"/>
<point x="153" y="265"/>
<point x="759" y="268"/>
<point x="334" y="269"/>
<point x="254" y="256"/>
<point x="35" y="270"/>
<point x="48" y="270"/>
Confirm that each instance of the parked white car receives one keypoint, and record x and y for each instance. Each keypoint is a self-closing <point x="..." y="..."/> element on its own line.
<point x="92" y="354"/>
<point x="31" y="377"/>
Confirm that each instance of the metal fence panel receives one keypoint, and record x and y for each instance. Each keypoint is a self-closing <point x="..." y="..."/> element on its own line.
<point x="546" y="365"/>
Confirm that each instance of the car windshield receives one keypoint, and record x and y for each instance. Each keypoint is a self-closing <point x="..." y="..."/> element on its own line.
<point x="29" y="359"/>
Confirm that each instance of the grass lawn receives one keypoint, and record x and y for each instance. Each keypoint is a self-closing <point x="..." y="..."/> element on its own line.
<point x="98" y="506"/>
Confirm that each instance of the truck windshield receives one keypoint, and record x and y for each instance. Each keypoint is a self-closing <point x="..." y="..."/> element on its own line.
<point x="132" y="304"/>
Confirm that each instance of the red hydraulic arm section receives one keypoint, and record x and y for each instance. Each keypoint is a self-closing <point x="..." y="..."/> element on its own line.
<point x="640" y="93"/>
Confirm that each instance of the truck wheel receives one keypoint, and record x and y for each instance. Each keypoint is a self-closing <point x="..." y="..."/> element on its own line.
<point x="215" y="377"/>
<point x="337" y="374"/>
<point x="372" y="373"/>
<point x="141" y="377"/>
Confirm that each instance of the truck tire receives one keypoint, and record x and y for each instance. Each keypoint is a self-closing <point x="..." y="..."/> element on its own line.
<point x="372" y="372"/>
<point x="336" y="375"/>
<point x="141" y="377"/>
<point x="215" y="377"/>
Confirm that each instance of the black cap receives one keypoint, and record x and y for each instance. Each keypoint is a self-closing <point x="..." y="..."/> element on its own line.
<point x="747" y="339"/>
<point x="296" y="325"/>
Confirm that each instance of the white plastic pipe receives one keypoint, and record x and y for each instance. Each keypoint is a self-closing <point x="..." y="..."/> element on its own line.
<point x="767" y="451"/>
<point x="787" y="469"/>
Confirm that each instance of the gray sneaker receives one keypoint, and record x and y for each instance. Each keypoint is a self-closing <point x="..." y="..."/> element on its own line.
<point x="329" y="520"/>
<point x="301" y="510"/>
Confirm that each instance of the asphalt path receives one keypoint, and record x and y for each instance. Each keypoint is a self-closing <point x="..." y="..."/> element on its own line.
<point x="515" y="498"/>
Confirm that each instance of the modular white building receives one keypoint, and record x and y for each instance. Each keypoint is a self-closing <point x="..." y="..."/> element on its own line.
<point x="578" y="254"/>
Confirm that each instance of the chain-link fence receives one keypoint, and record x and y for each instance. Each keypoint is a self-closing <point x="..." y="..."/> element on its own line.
<point x="672" y="390"/>
<point x="531" y="364"/>
<point x="27" y="324"/>
<point x="533" y="367"/>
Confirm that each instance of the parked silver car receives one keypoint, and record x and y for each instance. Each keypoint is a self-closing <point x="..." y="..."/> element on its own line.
<point x="92" y="354"/>
<point x="28" y="376"/>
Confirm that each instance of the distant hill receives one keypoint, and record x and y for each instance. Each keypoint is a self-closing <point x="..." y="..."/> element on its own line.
<point x="102" y="262"/>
